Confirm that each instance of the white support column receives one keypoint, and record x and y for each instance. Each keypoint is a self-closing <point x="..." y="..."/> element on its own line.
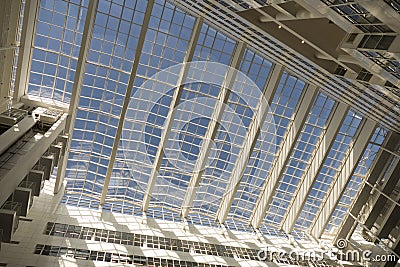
<point x="342" y="178"/>
<point x="76" y="90"/>
<point x="170" y="117"/>
<point x="306" y="181"/>
<point x="25" y="49"/>
<point x="272" y="181"/>
<point x="212" y="130"/>
<point x="249" y="141"/>
<point x="273" y="82"/>
<point x="9" y="24"/>
<point x="127" y="98"/>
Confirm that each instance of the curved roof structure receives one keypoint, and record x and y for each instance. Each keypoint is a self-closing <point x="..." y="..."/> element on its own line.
<point x="187" y="111"/>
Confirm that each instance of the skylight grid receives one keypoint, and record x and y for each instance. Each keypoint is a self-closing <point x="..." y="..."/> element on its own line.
<point x="170" y="188"/>
<point x="358" y="177"/>
<point x="202" y="219"/>
<point x="103" y="90"/>
<point x="184" y="144"/>
<point x="105" y="81"/>
<point x="167" y="42"/>
<point x="255" y="67"/>
<point x="272" y="231"/>
<point x="139" y="143"/>
<point x="229" y="139"/>
<point x="124" y="206"/>
<point x="128" y="183"/>
<point x="86" y="176"/>
<point x="93" y="134"/>
<point x="358" y="15"/>
<point x="80" y="200"/>
<point x="89" y="139"/>
<point x="123" y="188"/>
<point x="56" y="47"/>
<point x="231" y="133"/>
<point x="344" y="203"/>
<point x="167" y="39"/>
<point x="252" y="181"/>
<point x="237" y="5"/>
<point x="143" y="126"/>
<point x="115" y="34"/>
<point x="193" y="126"/>
<point x="169" y="175"/>
<point x="213" y="46"/>
<point x="165" y="45"/>
<point x="300" y="157"/>
<point x="286" y="99"/>
<point x="329" y="169"/>
<point x="369" y="155"/>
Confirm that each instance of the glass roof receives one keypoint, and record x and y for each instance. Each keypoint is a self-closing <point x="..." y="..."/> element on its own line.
<point x="300" y="157"/>
<point x="150" y="133"/>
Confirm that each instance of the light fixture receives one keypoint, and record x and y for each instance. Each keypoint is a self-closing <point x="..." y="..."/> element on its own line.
<point x="279" y="26"/>
<point x="302" y="41"/>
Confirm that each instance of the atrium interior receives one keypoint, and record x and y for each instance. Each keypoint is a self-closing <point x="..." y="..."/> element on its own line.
<point x="199" y="133"/>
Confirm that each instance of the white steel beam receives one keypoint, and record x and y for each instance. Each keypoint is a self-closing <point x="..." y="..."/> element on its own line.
<point x="249" y="141"/>
<point x="38" y="101"/>
<point x="318" y="157"/>
<point x="212" y="129"/>
<point x="25" y="49"/>
<point x="170" y="117"/>
<point x="342" y="178"/>
<point x="76" y="90"/>
<point x="272" y="181"/>
<point x="383" y="12"/>
<point x="127" y="98"/>
<point x="381" y="162"/>
<point x="9" y="24"/>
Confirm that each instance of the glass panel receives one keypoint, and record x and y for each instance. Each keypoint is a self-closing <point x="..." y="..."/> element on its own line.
<point x="300" y="158"/>
<point x="330" y="168"/>
<point x="56" y="47"/>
